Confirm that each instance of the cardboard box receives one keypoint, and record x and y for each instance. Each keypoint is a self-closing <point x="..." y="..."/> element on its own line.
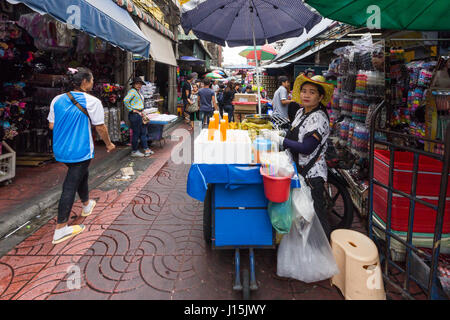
<point x="245" y="97"/>
<point x="246" y="108"/>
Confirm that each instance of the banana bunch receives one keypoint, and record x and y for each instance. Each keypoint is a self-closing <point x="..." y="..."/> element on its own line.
<point x="249" y="125"/>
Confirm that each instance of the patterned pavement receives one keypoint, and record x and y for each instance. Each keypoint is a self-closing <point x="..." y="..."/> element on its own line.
<point x="145" y="243"/>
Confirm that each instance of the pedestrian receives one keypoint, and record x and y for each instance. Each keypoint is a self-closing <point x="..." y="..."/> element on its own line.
<point x="219" y="98"/>
<point x="248" y="89"/>
<point x="307" y="139"/>
<point x="280" y="98"/>
<point x="186" y="91"/>
<point x="216" y="87"/>
<point x="237" y="87"/>
<point x="228" y="97"/>
<point x="71" y="116"/>
<point x="193" y="108"/>
<point x="134" y="102"/>
<point x="207" y="101"/>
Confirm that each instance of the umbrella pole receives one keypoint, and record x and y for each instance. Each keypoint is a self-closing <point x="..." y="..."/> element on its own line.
<point x="256" y="58"/>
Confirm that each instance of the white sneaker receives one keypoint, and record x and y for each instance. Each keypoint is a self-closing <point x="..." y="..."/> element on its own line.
<point x="88" y="209"/>
<point x="137" y="154"/>
<point x="148" y="153"/>
<point x="66" y="233"/>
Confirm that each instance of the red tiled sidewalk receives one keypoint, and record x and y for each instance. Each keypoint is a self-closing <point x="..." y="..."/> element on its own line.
<point x="30" y="182"/>
<point x="146" y="243"/>
<point x="36" y="266"/>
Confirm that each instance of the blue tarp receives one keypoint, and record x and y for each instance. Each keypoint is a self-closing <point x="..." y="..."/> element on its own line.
<point x="99" y="18"/>
<point x="233" y="175"/>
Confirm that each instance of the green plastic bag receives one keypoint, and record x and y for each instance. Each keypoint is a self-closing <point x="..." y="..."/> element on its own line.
<point x="281" y="215"/>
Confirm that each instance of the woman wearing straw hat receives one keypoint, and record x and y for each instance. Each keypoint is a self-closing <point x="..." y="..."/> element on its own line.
<point x="307" y="138"/>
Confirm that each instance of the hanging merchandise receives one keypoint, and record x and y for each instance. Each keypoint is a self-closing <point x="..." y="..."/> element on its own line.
<point x="346" y="105"/>
<point x="48" y="33"/>
<point x="344" y="131"/>
<point x="359" y="110"/>
<point x="360" y="140"/>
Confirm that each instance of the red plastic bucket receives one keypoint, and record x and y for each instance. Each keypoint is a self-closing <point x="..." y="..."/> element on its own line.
<point x="276" y="189"/>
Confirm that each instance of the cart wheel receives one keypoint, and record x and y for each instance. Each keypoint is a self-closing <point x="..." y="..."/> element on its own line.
<point x="340" y="205"/>
<point x="245" y="285"/>
<point x="207" y="215"/>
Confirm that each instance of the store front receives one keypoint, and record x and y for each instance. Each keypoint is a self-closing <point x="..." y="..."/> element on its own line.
<point x="36" y="52"/>
<point x="160" y="69"/>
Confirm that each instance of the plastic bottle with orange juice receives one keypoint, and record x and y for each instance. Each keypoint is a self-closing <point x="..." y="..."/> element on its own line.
<point x="225" y="117"/>
<point x="223" y="130"/>
<point x="217" y="119"/>
<point x="211" y="129"/>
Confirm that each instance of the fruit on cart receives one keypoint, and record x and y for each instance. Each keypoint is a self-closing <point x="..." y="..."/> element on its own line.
<point x="255" y="129"/>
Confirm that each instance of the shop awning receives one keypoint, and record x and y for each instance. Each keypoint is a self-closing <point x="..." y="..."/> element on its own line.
<point x="275" y="65"/>
<point x="312" y="51"/>
<point x="99" y="18"/>
<point x="161" y="49"/>
<point x="295" y="45"/>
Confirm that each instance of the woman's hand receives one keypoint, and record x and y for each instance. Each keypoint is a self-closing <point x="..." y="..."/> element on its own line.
<point x="276" y="138"/>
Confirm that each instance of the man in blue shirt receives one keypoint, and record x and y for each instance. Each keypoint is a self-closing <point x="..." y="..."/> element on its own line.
<point x="71" y="116"/>
<point x="207" y="101"/>
<point x="280" y="100"/>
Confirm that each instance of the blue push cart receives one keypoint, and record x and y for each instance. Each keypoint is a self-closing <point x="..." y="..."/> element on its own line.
<point x="235" y="213"/>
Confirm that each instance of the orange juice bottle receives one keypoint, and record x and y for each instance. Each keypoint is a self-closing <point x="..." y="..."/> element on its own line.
<point x="223" y="130"/>
<point x="211" y="129"/>
<point x="225" y="117"/>
<point x="217" y="118"/>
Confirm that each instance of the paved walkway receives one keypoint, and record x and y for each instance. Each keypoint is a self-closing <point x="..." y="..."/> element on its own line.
<point x="145" y="243"/>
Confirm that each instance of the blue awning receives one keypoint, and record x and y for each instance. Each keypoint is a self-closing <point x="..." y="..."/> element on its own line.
<point x="99" y="18"/>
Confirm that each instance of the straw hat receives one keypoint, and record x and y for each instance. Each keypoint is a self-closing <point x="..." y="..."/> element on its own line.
<point x="320" y="80"/>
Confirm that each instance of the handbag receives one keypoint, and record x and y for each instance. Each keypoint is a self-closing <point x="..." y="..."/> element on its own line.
<point x="192" y="107"/>
<point x="145" y="118"/>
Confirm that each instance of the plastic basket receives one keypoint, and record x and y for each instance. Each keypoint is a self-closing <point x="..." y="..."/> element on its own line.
<point x="7" y="163"/>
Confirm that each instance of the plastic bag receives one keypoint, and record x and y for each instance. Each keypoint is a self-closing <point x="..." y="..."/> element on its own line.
<point x="277" y="164"/>
<point x="306" y="257"/>
<point x="302" y="201"/>
<point x="281" y="215"/>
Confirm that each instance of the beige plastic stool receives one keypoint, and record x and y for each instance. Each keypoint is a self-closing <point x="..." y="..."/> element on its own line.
<point x="360" y="276"/>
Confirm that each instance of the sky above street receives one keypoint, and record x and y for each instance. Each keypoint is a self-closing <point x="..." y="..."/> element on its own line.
<point x="231" y="55"/>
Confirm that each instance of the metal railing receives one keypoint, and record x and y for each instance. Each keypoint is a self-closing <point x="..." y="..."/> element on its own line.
<point x="430" y="288"/>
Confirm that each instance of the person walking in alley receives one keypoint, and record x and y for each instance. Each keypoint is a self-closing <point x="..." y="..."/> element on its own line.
<point x="207" y="100"/>
<point x="280" y="98"/>
<point x="186" y="92"/>
<point x="134" y="102"/>
<point x="71" y="116"/>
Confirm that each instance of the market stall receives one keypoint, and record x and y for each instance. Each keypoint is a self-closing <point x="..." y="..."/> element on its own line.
<point x="35" y="54"/>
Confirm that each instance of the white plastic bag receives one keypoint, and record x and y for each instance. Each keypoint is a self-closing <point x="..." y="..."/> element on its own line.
<point x="302" y="202"/>
<point x="306" y="257"/>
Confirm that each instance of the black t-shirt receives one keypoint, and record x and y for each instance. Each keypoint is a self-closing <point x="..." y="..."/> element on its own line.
<point x="228" y="97"/>
<point x="186" y="87"/>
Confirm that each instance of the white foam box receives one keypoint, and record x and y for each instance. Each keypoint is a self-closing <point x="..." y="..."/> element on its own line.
<point x="236" y="150"/>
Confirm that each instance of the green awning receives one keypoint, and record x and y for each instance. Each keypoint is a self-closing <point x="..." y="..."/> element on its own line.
<point x="420" y="15"/>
